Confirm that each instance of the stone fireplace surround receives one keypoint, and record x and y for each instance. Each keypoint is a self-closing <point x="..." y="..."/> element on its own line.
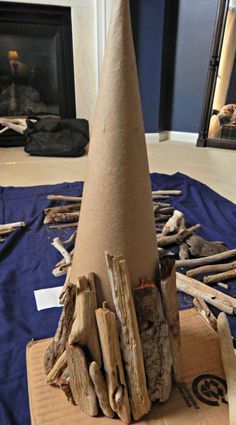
<point x="90" y="21"/>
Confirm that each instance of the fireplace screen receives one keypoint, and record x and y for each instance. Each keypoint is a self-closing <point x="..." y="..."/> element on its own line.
<point x="36" y="61"/>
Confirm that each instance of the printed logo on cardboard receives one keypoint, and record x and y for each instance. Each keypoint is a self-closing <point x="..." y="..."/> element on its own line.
<point x="209" y="389"/>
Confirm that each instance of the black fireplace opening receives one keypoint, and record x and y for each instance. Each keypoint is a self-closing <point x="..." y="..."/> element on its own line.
<point x="36" y="62"/>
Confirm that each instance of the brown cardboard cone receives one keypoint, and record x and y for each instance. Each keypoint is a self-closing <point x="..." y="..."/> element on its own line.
<point x="116" y="213"/>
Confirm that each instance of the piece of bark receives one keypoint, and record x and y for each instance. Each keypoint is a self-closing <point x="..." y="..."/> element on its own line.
<point x="113" y="366"/>
<point x="80" y="382"/>
<point x="211" y="268"/>
<point x="166" y="192"/>
<point x="58" y="244"/>
<point x="58" y="345"/>
<point x="198" y="289"/>
<point x="183" y="251"/>
<point x="63" y="226"/>
<point x="172" y="224"/>
<point x="65" y="286"/>
<point x="200" y="247"/>
<point x="230" y="274"/>
<point x="100" y="389"/>
<point x="216" y="258"/>
<point x="171" y="311"/>
<point x="155" y="340"/>
<point x="166" y="210"/>
<point x="229" y="364"/>
<point x="204" y="311"/>
<point x="129" y="335"/>
<point x="64" y="383"/>
<point x="178" y="237"/>
<point x="64" y="217"/>
<point x="84" y="329"/>
<point x="65" y="198"/>
<point x="57" y="368"/>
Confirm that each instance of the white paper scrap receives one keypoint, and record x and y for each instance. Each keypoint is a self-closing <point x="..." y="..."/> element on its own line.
<point x="48" y="298"/>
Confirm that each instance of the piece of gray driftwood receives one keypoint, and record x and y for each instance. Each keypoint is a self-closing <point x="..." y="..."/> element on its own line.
<point x="216" y="258"/>
<point x="155" y="340"/>
<point x="229" y="363"/>
<point x="200" y="247"/>
<point x="80" y="382"/>
<point x="211" y="268"/>
<point x="129" y="335"/>
<point x="171" y="311"/>
<point x="100" y="389"/>
<point x="112" y="362"/>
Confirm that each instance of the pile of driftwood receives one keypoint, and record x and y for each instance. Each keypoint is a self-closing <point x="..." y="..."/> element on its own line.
<point x="117" y="363"/>
<point x="6" y="229"/>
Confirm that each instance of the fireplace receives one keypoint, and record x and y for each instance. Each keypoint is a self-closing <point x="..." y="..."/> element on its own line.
<point x="36" y="62"/>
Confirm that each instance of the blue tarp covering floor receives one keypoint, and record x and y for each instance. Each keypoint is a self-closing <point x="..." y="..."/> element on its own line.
<point x="27" y="259"/>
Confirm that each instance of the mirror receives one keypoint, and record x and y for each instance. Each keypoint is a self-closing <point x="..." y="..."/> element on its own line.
<point x="218" y="123"/>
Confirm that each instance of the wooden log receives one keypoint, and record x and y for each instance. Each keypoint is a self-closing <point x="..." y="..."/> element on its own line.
<point x="178" y="237"/>
<point x="230" y="274"/>
<point x="211" y="268"/>
<point x="113" y="367"/>
<point x="198" y="289"/>
<point x="155" y="340"/>
<point x="129" y="334"/>
<point x="80" y="382"/>
<point x="100" y="389"/>
<point x="65" y="198"/>
<point x="171" y="311"/>
<point x="172" y="224"/>
<point x="58" y="345"/>
<point x="204" y="311"/>
<point x="84" y="329"/>
<point x="57" y="369"/>
<point x="229" y="364"/>
<point x="216" y="258"/>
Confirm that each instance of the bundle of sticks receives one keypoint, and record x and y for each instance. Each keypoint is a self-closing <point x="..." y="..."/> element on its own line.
<point x="117" y="362"/>
<point x="6" y="229"/>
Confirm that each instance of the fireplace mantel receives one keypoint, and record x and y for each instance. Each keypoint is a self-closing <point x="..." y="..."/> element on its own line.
<point x="90" y="20"/>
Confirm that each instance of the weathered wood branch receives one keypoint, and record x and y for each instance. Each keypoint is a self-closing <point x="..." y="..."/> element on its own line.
<point x="80" y="382"/>
<point x="202" y="308"/>
<point x="229" y="364"/>
<point x="211" y="268"/>
<point x="172" y="224"/>
<point x="130" y="338"/>
<point x="13" y="225"/>
<point x="62" y="217"/>
<point x="58" y="244"/>
<point x="62" y="208"/>
<point x="216" y="258"/>
<point x="230" y="274"/>
<point x="171" y="310"/>
<point x="178" y="237"/>
<point x="113" y="367"/>
<point x="65" y="198"/>
<point x="100" y="389"/>
<point x="198" y="289"/>
<point x="84" y="329"/>
<point x="166" y="192"/>
<point x="63" y="226"/>
<point x="155" y="340"/>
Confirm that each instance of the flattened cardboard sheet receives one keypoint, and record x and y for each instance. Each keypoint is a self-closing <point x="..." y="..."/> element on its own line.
<point x="199" y="400"/>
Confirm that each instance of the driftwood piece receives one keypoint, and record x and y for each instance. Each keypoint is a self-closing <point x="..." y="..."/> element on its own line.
<point x="58" y="244"/>
<point x="229" y="274"/>
<point x="211" y="268"/>
<point x="202" y="308"/>
<point x="100" y="389"/>
<point x="216" y="258"/>
<point x="229" y="364"/>
<point x="64" y="383"/>
<point x="172" y="224"/>
<point x="223" y="285"/>
<point x="65" y="198"/>
<point x="65" y="286"/>
<point x="58" y="345"/>
<point x="129" y="334"/>
<point x="62" y="217"/>
<point x="62" y="208"/>
<point x="63" y="226"/>
<point x="84" y="329"/>
<point x="155" y="340"/>
<point x="166" y="192"/>
<point x="171" y="311"/>
<point x="14" y="225"/>
<point x="200" y="247"/>
<point x="113" y="367"/>
<point x="80" y="382"/>
<point x="179" y="237"/>
<point x="6" y="231"/>
<point x="61" y="269"/>
<point x="183" y="251"/>
<point x="198" y="289"/>
<point x="70" y="239"/>
<point x="57" y="369"/>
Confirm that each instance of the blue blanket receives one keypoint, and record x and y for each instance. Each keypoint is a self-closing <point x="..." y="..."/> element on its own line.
<point x="27" y="258"/>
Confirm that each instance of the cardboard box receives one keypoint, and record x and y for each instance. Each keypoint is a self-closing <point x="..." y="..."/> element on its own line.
<point x="198" y="400"/>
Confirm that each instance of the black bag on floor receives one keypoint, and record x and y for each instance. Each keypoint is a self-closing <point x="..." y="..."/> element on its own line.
<point x="56" y="137"/>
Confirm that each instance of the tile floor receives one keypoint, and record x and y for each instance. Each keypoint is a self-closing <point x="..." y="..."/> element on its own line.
<point x="214" y="167"/>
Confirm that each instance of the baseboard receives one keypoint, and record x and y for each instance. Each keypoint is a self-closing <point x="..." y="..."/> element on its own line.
<point x="172" y="136"/>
